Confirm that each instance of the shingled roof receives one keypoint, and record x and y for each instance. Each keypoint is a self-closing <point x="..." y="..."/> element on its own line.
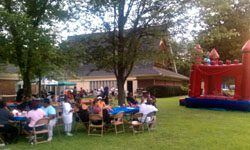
<point x="8" y="68"/>
<point x="139" y="71"/>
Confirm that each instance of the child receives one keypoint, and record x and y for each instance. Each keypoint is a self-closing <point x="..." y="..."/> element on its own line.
<point x="67" y="117"/>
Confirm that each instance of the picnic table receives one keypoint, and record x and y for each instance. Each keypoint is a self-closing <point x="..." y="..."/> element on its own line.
<point x="20" y="120"/>
<point x="126" y="110"/>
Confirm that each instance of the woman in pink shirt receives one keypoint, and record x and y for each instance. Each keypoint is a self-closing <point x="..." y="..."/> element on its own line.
<point x="33" y="116"/>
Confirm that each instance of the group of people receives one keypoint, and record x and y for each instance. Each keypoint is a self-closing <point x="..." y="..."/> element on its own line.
<point x="48" y="108"/>
<point x="146" y="105"/>
<point x="98" y="106"/>
<point x="146" y="96"/>
<point x="35" y="112"/>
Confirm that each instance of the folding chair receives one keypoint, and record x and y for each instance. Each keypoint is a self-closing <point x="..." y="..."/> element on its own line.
<point x="93" y="120"/>
<point x="137" y="125"/>
<point x="117" y="121"/>
<point x="59" y="123"/>
<point x="41" y="128"/>
<point x="150" y="121"/>
<point x="2" y="143"/>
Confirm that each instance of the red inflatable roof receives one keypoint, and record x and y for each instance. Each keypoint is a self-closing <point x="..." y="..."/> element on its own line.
<point x="214" y="54"/>
<point x="246" y="47"/>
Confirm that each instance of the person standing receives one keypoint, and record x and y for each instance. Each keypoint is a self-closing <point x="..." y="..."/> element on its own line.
<point x="67" y="117"/>
<point x="81" y="93"/>
<point x="74" y="92"/>
<point x="9" y="132"/>
<point x="50" y="112"/>
<point x="105" y="95"/>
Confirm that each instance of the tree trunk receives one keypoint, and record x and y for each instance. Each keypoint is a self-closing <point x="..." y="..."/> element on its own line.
<point x="39" y="86"/>
<point x="121" y="92"/>
<point x="26" y="84"/>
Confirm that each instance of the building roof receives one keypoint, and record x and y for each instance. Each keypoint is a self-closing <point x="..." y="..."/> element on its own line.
<point x="8" y="72"/>
<point x="8" y="68"/>
<point x="139" y="71"/>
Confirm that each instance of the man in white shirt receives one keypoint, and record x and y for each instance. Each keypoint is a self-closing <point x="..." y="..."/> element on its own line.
<point x="145" y="109"/>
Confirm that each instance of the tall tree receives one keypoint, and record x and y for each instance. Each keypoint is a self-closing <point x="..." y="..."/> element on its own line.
<point x="129" y="35"/>
<point x="226" y="26"/>
<point x="27" y="32"/>
<point x="183" y="55"/>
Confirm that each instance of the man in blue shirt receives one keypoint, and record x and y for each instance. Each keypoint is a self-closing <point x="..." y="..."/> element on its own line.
<point x="50" y="112"/>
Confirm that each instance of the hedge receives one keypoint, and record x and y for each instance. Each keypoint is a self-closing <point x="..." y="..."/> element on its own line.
<point x="167" y="91"/>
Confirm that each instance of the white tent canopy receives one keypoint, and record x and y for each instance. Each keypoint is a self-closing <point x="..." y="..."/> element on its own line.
<point x="49" y="82"/>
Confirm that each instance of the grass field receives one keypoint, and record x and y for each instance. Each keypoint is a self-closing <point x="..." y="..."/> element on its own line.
<point x="178" y="128"/>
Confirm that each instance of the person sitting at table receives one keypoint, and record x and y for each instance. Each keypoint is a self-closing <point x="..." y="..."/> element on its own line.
<point x="95" y="109"/>
<point x="33" y="116"/>
<point x="9" y="132"/>
<point x="54" y="101"/>
<point x="147" y="96"/>
<point x="26" y="104"/>
<point x="50" y="112"/>
<point x="153" y="100"/>
<point x="144" y="97"/>
<point x="101" y="104"/>
<point x="83" y="114"/>
<point x="67" y="117"/>
<point x="105" y="113"/>
<point x="131" y="100"/>
<point x="146" y="108"/>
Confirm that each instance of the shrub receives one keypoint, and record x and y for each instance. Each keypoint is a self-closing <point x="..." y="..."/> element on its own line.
<point x="167" y="91"/>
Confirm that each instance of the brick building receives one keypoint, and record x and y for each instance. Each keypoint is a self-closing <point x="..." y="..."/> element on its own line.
<point x="8" y="81"/>
<point x="141" y="77"/>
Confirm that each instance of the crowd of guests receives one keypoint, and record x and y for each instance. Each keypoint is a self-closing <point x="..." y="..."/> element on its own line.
<point x="70" y="104"/>
<point x="147" y="104"/>
<point x="36" y="110"/>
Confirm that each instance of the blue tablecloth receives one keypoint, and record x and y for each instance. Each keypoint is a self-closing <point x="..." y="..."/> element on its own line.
<point x="127" y="110"/>
<point x="20" y="118"/>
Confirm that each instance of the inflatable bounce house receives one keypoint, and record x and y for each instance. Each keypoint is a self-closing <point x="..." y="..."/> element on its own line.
<point x="206" y="88"/>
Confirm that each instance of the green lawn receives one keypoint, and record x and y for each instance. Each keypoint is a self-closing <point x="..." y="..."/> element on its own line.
<point x="178" y="128"/>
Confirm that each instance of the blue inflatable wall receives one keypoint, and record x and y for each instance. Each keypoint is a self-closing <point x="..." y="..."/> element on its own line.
<point x="241" y="105"/>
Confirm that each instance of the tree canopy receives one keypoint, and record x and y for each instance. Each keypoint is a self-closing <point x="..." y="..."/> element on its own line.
<point x="27" y="36"/>
<point x="125" y="32"/>
<point x="226" y="26"/>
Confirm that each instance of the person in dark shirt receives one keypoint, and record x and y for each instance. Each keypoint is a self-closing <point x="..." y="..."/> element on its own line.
<point x="9" y="132"/>
<point x="19" y="96"/>
<point x="83" y="114"/>
<point x="131" y="100"/>
<point x="105" y="95"/>
<point x="26" y="104"/>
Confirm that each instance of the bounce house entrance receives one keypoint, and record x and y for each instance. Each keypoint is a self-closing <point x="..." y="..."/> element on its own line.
<point x="228" y="86"/>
